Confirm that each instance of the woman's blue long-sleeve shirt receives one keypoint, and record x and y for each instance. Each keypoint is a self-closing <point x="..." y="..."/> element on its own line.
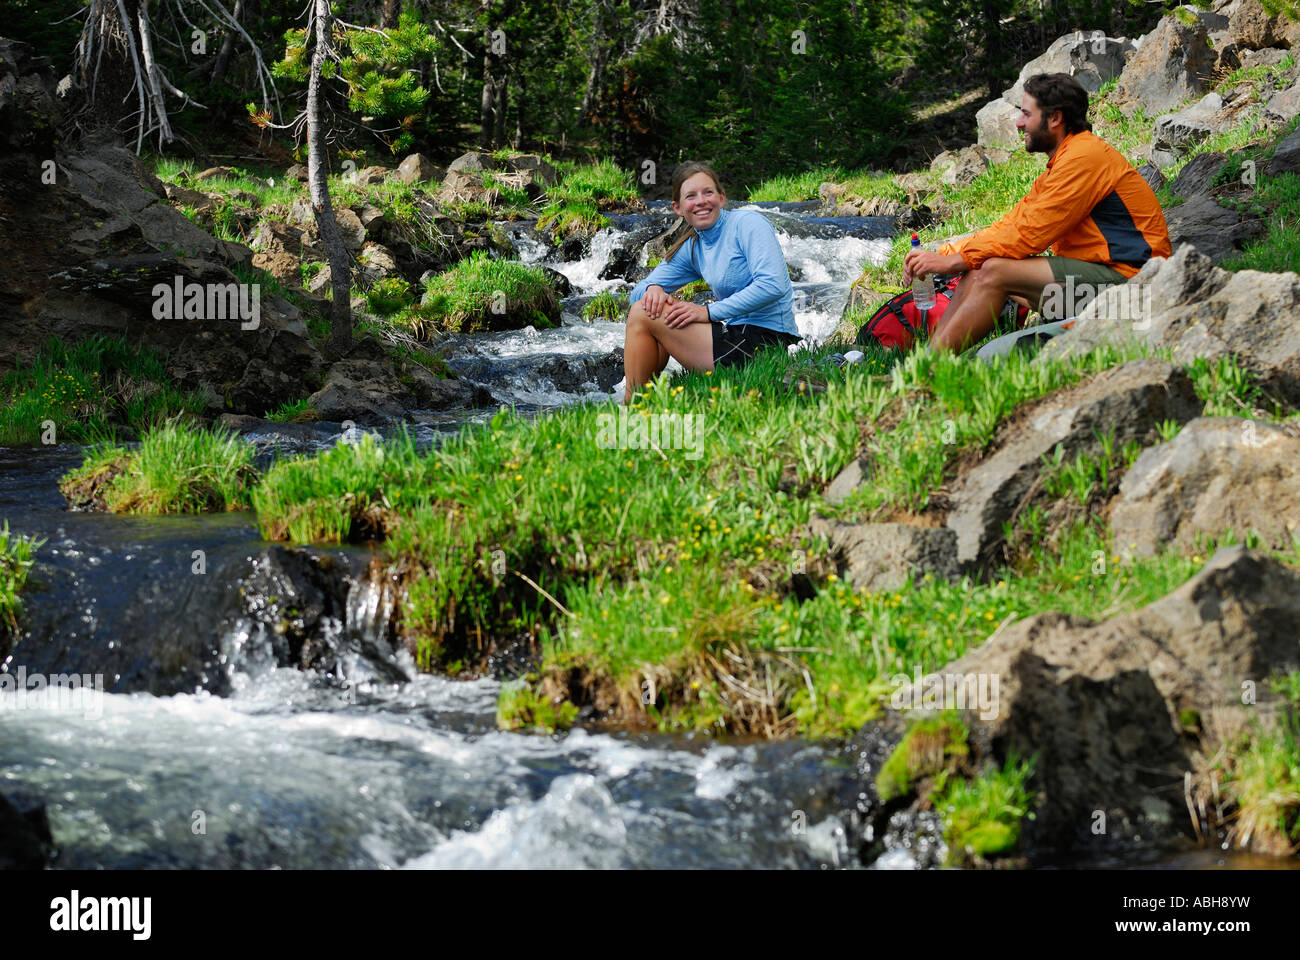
<point x="741" y="261"/>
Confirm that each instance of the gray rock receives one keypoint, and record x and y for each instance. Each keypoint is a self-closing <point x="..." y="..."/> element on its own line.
<point x="1197" y="309"/>
<point x="1152" y="175"/>
<point x="474" y="162"/>
<point x="1213" y="229"/>
<point x="1286" y="155"/>
<point x="354" y="234"/>
<point x="1283" y="104"/>
<point x="1218" y="474"/>
<point x="1253" y="27"/>
<point x="377" y="261"/>
<point x="888" y="556"/>
<point x="958" y="168"/>
<point x="1194" y="179"/>
<point x="1173" y="63"/>
<point x="1100" y="703"/>
<point x="1127" y="401"/>
<point x="996" y="124"/>
<point x="297" y="171"/>
<point x="1178" y="132"/>
<point x="1268" y="57"/>
<point x="417" y="168"/>
<point x="1089" y="57"/>
<point x="371" y="176"/>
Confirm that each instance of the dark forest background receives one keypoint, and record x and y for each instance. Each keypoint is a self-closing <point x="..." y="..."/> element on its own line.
<point x="733" y="81"/>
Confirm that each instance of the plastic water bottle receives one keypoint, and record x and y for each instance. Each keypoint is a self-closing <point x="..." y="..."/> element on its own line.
<point x="922" y="285"/>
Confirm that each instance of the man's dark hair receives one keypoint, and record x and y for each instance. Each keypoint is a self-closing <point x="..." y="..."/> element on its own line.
<point x="1060" y="91"/>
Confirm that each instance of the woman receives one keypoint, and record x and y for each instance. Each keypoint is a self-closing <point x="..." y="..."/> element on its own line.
<point x="736" y="253"/>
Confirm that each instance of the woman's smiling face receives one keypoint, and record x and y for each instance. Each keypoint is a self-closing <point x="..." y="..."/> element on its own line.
<point x="701" y="201"/>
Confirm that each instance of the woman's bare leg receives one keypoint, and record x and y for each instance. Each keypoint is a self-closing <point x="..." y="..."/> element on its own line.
<point x="650" y="342"/>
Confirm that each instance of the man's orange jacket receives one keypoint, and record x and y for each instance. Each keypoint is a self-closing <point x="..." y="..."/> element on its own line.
<point x="1089" y="204"/>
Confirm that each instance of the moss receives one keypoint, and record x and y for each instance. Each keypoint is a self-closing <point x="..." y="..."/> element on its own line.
<point x="932" y="747"/>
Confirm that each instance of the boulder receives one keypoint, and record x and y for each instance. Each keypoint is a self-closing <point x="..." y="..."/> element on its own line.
<point x="1254" y="28"/>
<point x="1152" y="175"/>
<point x="1218" y="474"/>
<point x="25" y="839"/>
<point x="1282" y="105"/>
<point x="1103" y="704"/>
<point x="377" y="261"/>
<point x="1127" y="401"/>
<point x="1173" y="63"/>
<point x="996" y="124"/>
<point x="1268" y="57"/>
<point x="354" y="233"/>
<point x="1211" y="228"/>
<point x="474" y="163"/>
<point x="363" y="391"/>
<point x="370" y="176"/>
<point x="285" y="267"/>
<point x="1195" y="177"/>
<point x="1286" y="155"/>
<point x="958" y="168"/>
<point x="887" y="556"/>
<point x="185" y="197"/>
<point x="1176" y="133"/>
<point x="297" y="171"/>
<point x="534" y="170"/>
<point x="1196" y="309"/>
<point x="1091" y="58"/>
<point x="417" y="168"/>
<point x="273" y="237"/>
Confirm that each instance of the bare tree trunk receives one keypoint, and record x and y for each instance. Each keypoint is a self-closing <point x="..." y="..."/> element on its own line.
<point x="488" y="98"/>
<point x="336" y="253"/>
<point x="390" y="14"/>
<point x="227" y="46"/>
<point x="499" y="121"/>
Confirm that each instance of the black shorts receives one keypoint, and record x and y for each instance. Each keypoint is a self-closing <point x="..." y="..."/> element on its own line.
<point x="736" y="344"/>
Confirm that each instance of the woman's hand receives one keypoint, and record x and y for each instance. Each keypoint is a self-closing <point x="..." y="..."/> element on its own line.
<point x="654" y="300"/>
<point x="682" y="312"/>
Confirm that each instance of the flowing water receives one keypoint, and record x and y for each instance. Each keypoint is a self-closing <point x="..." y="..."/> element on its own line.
<point x="208" y="747"/>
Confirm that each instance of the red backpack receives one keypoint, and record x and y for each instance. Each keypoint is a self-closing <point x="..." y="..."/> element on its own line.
<point x="897" y="324"/>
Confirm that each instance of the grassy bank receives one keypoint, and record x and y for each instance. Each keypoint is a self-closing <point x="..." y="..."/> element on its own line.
<point x="15" y="565"/>
<point x="174" y="470"/>
<point x="95" y="389"/>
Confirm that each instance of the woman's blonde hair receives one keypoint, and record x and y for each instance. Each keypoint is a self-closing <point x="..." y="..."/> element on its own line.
<point x="683" y="173"/>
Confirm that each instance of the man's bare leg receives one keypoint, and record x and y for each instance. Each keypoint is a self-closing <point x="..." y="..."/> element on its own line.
<point x="650" y="342"/>
<point x="982" y="292"/>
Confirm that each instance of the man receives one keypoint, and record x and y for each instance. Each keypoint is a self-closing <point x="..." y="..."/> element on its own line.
<point x="1097" y="213"/>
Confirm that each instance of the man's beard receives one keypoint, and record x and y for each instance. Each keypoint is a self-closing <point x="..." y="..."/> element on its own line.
<point x="1038" y="141"/>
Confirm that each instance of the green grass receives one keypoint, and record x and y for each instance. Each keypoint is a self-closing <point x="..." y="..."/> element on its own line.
<point x="1261" y="776"/>
<point x="605" y="305"/>
<point x="572" y="217"/>
<point x="348" y="492"/>
<point x="176" y="469"/>
<point x="1260" y="77"/>
<point x="1278" y="201"/>
<point x="16" y="554"/>
<point x="599" y="183"/>
<point x="982" y="815"/>
<point x="794" y="187"/>
<point x="88" y="391"/>
<point x="389" y="295"/>
<point x="290" y="411"/>
<point x="462" y="297"/>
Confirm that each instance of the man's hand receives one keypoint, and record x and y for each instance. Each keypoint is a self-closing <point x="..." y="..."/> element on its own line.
<point x="681" y="313"/>
<point x="919" y="262"/>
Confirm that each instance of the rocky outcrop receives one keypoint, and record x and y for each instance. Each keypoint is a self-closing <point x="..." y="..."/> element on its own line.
<point x="1127" y="401"/>
<point x="1177" y="133"/>
<point x="417" y="168"/>
<point x="1104" y="705"/>
<point x="1174" y="62"/>
<point x="1197" y="309"/>
<point x="1090" y="58"/>
<point x="960" y="168"/>
<point x="888" y="556"/>
<point x="1218" y="474"/>
<point x="1208" y="226"/>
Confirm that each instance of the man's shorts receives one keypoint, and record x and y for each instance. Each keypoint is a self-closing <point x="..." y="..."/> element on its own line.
<point x="1080" y="281"/>
<point x="736" y="344"/>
